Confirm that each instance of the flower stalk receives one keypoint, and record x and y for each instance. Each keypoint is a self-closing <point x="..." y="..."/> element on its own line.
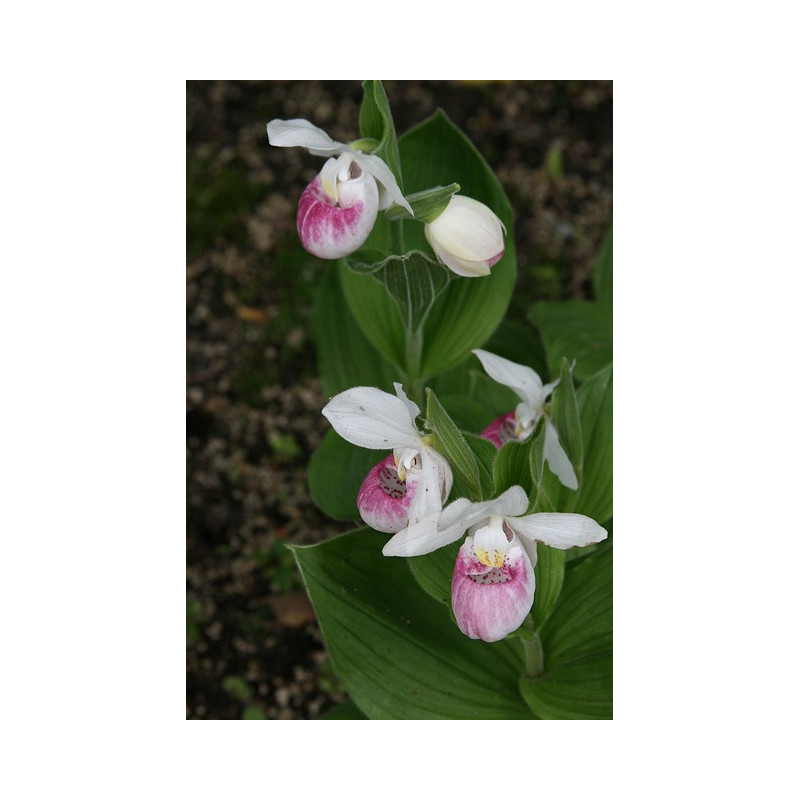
<point x="532" y="648"/>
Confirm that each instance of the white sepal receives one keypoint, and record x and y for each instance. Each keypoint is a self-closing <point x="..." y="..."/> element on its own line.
<point x="523" y="380"/>
<point x="557" y="459"/>
<point x="379" y="170"/>
<point x="301" y="133"/>
<point x="558" y="530"/>
<point x="374" y="419"/>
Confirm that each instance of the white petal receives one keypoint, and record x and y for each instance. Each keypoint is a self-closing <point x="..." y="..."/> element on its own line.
<point x="468" y="230"/>
<point x="413" y="408"/>
<point x="370" y="418"/>
<point x="559" y="530"/>
<point x="547" y="389"/>
<point x="557" y="459"/>
<point x="461" y="266"/>
<point x="327" y="177"/>
<point x="428" y="496"/>
<point x="529" y="545"/>
<point x="523" y="380"/>
<point x="301" y="133"/>
<point x="444" y="527"/>
<point x="379" y="170"/>
<point x="445" y="473"/>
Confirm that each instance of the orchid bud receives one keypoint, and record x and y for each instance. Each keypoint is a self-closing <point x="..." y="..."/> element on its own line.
<point x="467" y="237"/>
<point x="337" y="210"/>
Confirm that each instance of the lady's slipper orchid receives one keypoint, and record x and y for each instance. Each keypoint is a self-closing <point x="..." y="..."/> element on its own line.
<point x="408" y="487"/>
<point x="337" y="210"/>
<point x="467" y="237"/>
<point x="519" y="424"/>
<point x="493" y="580"/>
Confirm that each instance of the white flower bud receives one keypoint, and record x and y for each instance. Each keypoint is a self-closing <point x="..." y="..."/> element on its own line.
<point x="467" y="237"/>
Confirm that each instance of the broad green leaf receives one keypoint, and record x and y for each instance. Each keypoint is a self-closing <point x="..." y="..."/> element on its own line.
<point x="575" y="330"/>
<point x="512" y="466"/>
<point x="375" y="122"/>
<point x="549" y="571"/>
<point x="595" y="400"/>
<point x="336" y="472"/>
<point x="434" y="571"/>
<point x="346" y="710"/>
<point x="603" y="278"/>
<point x="414" y="281"/>
<point x="450" y="442"/>
<point x="395" y="648"/>
<point x="577" y="641"/>
<point x="468" y="413"/>
<point x="467" y="312"/>
<point x="344" y="355"/>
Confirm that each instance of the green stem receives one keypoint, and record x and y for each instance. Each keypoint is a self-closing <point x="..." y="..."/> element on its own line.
<point x="398" y="243"/>
<point x="534" y="655"/>
<point x="414" y="364"/>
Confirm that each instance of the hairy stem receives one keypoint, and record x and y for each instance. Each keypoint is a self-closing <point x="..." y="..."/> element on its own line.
<point x="534" y="655"/>
<point x="398" y="243"/>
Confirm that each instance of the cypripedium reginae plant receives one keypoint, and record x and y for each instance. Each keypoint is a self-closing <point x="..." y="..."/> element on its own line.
<point x="518" y="424"/>
<point x="479" y="539"/>
<point x="406" y="488"/>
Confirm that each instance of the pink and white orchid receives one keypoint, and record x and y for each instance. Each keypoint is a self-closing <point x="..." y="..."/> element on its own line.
<point x="519" y="424"/>
<point x="493" y="580"/>
<point x="337" y="210"/>
<point x="406" y="488"/>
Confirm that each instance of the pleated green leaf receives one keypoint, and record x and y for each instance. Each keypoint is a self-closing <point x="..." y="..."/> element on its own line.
<point x="336" y="472"/>
<point x="434" y="571"/>
<point x="394" y="647"/>
<point x="577" y="642"/>
<point x="549" y="571"/>
<point x="450" y="442"/>
<point x="575" y="330"/>
<point x="595" y="400"/>
<point x="375" y="122"/>
<point x="344" y="355"/>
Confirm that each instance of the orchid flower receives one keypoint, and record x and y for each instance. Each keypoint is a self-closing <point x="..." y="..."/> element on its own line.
<point x="519" y="424"/>
<point x="337" y="210"/>
<point x="467" y="237"/>
<point x="406" y="488"/>
<point x="493" y="579"/>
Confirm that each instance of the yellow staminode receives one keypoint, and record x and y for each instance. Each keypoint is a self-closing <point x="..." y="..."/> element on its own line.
<point x="496" y="558"/>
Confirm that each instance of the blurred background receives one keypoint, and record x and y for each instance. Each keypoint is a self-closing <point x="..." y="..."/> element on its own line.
<point x="254" y="649"/>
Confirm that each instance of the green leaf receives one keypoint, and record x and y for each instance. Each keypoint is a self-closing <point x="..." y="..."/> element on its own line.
<point x="512" y="466"/>
<point x="549" y="572"/>
<point x="414" y="281"/>
<point x="467" y="312"/>
<point x="336" y="472"/>
<point x="344" y="355"/>
<point x="575" y="330"/>
<point x="485" y="453"/>
<point x="434" y="571"/>
<point x="396" y="650"/>
<point x="596" y="403"/>
<point x="469" y="414"/>
<point x="375" y="122"/>
<point x="603" y="278"/>
<point x="346" y="710"/>
<point x="450" y="442"/>
<point x="577" y="642"/>
<point x="426" y="205"/>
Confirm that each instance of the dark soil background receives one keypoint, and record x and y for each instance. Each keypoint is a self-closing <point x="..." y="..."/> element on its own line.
<point x="254" y="649"/>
